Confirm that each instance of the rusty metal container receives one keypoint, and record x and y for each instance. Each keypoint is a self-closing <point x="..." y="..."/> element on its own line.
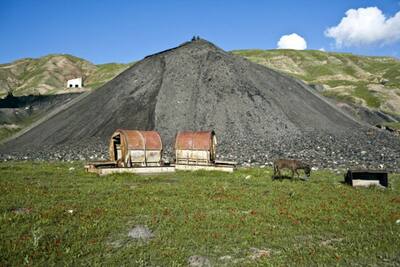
<point x="195" y="148"/>
<point x="131" y="148"/>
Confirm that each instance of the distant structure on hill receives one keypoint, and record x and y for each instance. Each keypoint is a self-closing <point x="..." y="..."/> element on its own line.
<point x="75" y="83"/>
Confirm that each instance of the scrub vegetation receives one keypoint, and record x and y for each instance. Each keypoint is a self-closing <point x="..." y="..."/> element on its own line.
<point x="345" y="74"/>
<point x="48" y="74"/>
<point x="56" y="214"/>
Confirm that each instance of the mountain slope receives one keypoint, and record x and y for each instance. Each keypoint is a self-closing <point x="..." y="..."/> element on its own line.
<point x="48" y="74"/>
<point x="162" y="92"/>
<point x="254" y="110"/>
<point x="372" y="82"/>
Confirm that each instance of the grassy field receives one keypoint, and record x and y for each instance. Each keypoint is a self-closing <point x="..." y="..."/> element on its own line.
<point x="55" y="214"/>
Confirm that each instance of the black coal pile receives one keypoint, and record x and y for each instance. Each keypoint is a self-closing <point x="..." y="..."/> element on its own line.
<point x="258" y="114"/>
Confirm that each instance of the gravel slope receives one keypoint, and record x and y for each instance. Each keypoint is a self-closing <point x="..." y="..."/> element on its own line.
<point x="258" y="114"/>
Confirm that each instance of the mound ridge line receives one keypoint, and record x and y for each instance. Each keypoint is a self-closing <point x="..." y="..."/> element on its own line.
<point x="255" y="111"/>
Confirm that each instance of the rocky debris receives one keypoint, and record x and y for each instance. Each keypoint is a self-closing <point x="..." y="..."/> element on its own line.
<point x="370" y="116"/>
<point x="116" y="243"/>
<point x="318" y="87"/>
<point x="256" y="254"/>
<point x="331" y="242"/>
<point x="199" y="261"/>
<point x="141" y="232"/>
<point x="258" y="115"/>
<point x="21" y="211"/>
<point x="226" y="258"/>
<point x="319" y="150"/>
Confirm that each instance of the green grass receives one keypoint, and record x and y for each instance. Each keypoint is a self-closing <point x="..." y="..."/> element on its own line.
<point x="25" y="122"/>
<point x="317" y="71"/>
<point x="339" y="97"/>
<point x="104" y="73"/>
<point x="30" y="74"/>
<point x="334" y="69"/>
<point x="336" y="83"/>
<point x="95" y="85"/>
<point x="318" y="222"/>
<point x="395" y="125"/>
<point x="6" y="132"/>
<point x="371" y="100"/>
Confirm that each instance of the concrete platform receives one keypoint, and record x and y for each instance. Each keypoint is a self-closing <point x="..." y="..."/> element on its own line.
<point x="366" y="183"/>
<point x="136" y="170"/>
<point x="222" y="168"/>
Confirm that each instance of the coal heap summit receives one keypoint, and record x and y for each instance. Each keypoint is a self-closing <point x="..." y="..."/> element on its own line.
<point x="257" y="113"/>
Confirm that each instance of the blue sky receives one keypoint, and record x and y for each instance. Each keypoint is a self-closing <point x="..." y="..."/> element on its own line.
<point x="123" y="31"/>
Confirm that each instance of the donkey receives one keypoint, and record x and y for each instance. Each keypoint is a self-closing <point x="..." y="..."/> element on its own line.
<point x="291" y="164"/>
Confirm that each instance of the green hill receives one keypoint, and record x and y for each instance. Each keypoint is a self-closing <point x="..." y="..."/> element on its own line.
<point x="356" y="81"/>
<point x="372" y="82"/>
<point x="46" y="76"/>
<point x="49" y="74"/>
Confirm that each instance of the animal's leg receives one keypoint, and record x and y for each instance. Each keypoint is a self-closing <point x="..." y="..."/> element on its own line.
<point x="292" y="173"/>
<point x="274" y="175"/>
<point x="298" y="175"/>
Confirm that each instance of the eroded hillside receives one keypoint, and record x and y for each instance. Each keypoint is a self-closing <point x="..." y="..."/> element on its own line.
<point x="48" y="74"/>
<point x="372" y="82"/>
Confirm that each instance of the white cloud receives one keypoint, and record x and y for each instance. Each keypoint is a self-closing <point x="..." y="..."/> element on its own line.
<point x="292" y="41"/>
<point x="365" y="26"/>
<point x="322" y="49"/>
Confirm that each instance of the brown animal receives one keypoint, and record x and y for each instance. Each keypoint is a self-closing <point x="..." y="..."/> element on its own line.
<point x="291" y="164"/>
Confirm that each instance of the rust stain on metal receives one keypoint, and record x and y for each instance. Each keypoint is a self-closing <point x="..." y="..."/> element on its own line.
<point x="140" y="152"/>
<point x="195" y="147"/>
<point x="194" y="140"/>
<point x="135" y="148"/>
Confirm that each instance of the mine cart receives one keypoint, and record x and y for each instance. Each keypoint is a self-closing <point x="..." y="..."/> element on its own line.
<point x="134" y="152"/>
<point x="197" y="150"/>
<point x="131" y="148"/>
<point x="366" y="177"/>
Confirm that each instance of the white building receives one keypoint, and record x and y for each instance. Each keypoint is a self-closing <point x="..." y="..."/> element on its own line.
<point x="75" y="83"/>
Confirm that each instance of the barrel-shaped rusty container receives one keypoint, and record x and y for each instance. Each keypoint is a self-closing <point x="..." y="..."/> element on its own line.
<point x="195" y="148"/>
<point x="130" y="148"/>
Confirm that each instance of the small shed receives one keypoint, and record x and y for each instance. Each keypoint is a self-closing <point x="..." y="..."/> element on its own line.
<point x="195" y="148"/>
<point x="75" y="83"/>
<point x="131" y="148"/>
